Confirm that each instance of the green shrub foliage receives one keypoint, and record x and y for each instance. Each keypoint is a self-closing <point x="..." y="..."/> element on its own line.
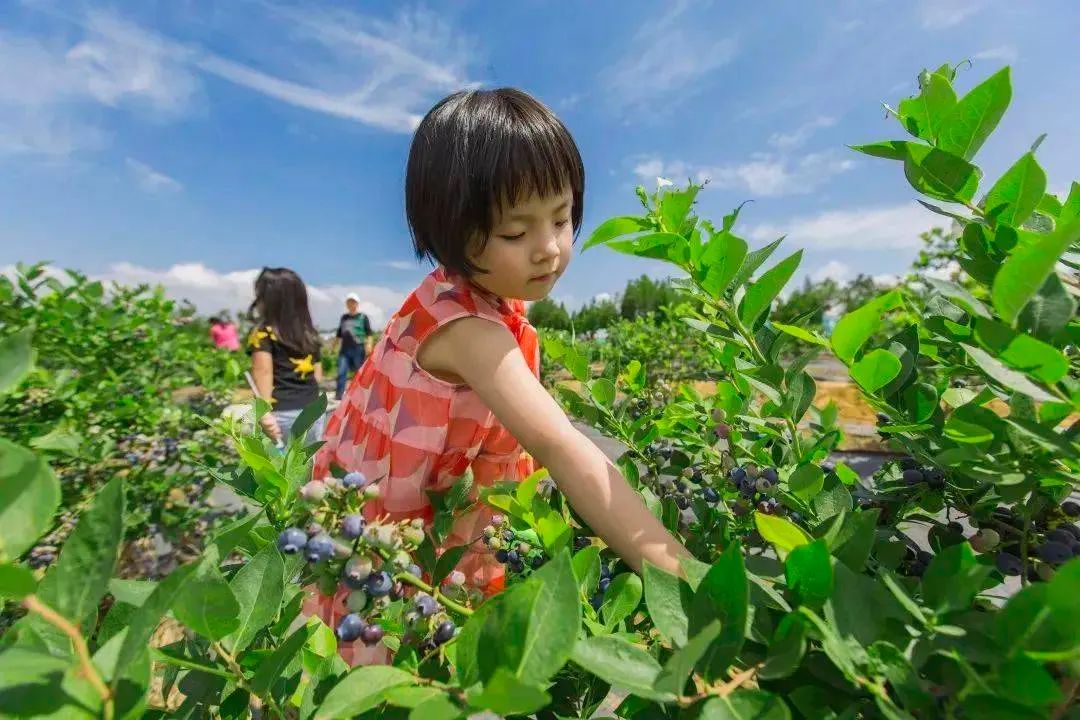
<point x="808" y="596"/>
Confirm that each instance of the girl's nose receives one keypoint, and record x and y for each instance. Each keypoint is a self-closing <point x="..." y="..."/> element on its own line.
<point x="548" y="248"/>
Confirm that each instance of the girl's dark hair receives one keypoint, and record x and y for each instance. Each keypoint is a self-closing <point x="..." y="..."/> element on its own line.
<point x="475" y="152"/>
<point x="281" y="302"/>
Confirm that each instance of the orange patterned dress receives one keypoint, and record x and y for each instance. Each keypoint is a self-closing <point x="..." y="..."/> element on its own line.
<point x="413" y="432"/>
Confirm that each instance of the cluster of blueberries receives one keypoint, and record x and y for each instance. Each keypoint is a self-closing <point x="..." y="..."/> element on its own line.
<point x="511" y="550"/>
<point x="914" y="475"/>
<point x="756" y="483"/>
<point x="1057" y="546"/>
<point x="142" y="449"/>
<point x="597" y="600"/>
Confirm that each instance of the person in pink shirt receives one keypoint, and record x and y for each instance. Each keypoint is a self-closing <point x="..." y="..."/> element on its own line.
<point x="223" y="334"/>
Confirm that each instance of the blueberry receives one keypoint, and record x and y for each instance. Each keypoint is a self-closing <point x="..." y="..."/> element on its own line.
<point x="737" y="475"/>
<point x="796" y="517"/>
<point x="292" y="540"/>
<point x="696" y="476"/>
<point x="379" y="584"/>
<point x="1070" y="508"/>
<point x="352" y="526"/>
<point x="581" y="542"/>
<point x="770" y="474"/>
<point x="605" y="571"/>
<point x="682" y="501"/>
<point x="1075" y="546"/>
<point x="425" y="605"/>
<point x="518" y="567"/>
<point x="319" y="548"/>
<point x="350" y="627"/>
<point x="537" y="561"/>
<point x="415" y="571"/>
<point x="908" y="463"/>
<point x="828" y="468"/>
<point x="356" y="572"/>
<point x="371" y="634"/>
<point x="426" y="647"/>
<point x="1054" y="553"/>
<point x="444" y="632"/>
<point x="882" y="419"/>
<point x="1060" y="535"/>
<point x="917" y="569"/>
<point x="513" y="556"/>
<point x="354" y="480"/>
<point x="508" y="536"/>
<point x="604" y="584"/>
<point x="924" y="557"/>
<point x="710" y="495"/>
<point x="955" y="528"/>
<point x="502" y="556"/>
<point x="913" y="477"/>
<point x="1008" y="563"/>
<point x="1074" y="529"/>
<point x="935" y="478"/>
<point x="596" y="601"/>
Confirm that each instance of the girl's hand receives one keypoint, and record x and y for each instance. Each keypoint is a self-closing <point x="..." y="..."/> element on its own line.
<point x="270" y="427"/>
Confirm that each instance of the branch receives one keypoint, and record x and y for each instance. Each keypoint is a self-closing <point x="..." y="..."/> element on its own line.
<point x="241" y="679"/>
<point x="89" y="671"/>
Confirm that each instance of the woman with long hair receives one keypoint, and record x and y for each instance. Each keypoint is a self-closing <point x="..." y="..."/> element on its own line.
<point x="285" y="351"/>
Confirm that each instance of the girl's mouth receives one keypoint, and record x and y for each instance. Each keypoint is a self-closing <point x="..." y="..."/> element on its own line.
<point x="543" y="278"/>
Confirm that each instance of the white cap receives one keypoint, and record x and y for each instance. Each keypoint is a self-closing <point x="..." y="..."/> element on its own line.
<point x="352" y="296"/>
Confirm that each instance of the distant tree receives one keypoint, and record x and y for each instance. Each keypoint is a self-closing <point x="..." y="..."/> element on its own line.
<point x="645" y="295"/>
<point x="549" y="314"/>
<point x="595" y="315"/>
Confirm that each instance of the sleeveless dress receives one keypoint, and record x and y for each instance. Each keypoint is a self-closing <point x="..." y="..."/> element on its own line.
<point x="413" y="432"/>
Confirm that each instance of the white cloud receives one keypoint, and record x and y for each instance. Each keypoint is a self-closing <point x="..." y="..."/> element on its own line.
<point x="873" y="228"/>
<point x="940" y="14"/>
<point x="796" y="138"/>
<point x="376" y="72"/>
<point x="602" y="297"/>
<point x="400" y="264"/>
<point x="211" y="291"/>
<point x="1005" y="53"/>
<point x="151" y="180"/>
<point x="763" y="175"/>
<point x="835" y="270"/>
<point x="665" y="58"/>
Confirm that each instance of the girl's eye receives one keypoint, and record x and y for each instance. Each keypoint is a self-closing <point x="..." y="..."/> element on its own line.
<point x="561" y="223"/>
<point x="513" y="237"/>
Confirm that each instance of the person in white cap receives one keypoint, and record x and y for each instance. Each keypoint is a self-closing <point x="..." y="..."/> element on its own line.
<point x="352" y="342"/>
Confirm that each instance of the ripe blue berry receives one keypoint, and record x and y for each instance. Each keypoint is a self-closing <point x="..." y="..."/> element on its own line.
<point x="682" y="501"/>
<point x="581" y="542"/>
<point x="737" y="475"/>
<point x="596" y="601"/>
<point x="508" y="535"/>
<point x="604" y="584"/>
<point x="319" y="548"/>
<point x="513" y="556"/>
<point x="379" y="584"/>
<point x="502" y="556"/>
<point x="913" y="476"/>
<point x="444" y="632"/>
<point x="350" y="627"/>
<point x="1008" y="563"/>
<point x="352" y="526"/>
<point x="1054" y="553"/>
<point x="710" y="495"/>
<point x="426" y="605"/>
<point x="354" y="480"/>
<point x="518" y="567"/>
<point x="1060" y="535"/>
<point x="908" y="463"/>
<point x="770" y="474"/>
<point x="1070" y="508"/>
<point x="537" y="561"/>
<point x="371" y="634"/>
<point x="292" y="540"/>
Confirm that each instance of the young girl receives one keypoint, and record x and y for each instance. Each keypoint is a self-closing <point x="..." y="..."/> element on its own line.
<point x="285" y="351"/>
<point x="493" y="194"/>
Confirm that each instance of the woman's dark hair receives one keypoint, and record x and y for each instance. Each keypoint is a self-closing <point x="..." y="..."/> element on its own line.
<point x="281" y="302"/>
<point x="478" y="151"/>
<point x="216" y="321"/>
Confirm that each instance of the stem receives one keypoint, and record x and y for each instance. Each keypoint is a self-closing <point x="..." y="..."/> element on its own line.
<point x="78" y="642"/>
<point x="241" y="680"/>
<point x="1024" y="547"/>
<point x="1068" y="689"/>
<point x="434" y="592"/>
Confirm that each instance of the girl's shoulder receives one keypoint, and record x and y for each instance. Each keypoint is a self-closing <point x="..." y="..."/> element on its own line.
<point x="262" y="338"/>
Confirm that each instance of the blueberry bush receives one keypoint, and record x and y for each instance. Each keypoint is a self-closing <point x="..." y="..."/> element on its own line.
<point x="809" y="594"/>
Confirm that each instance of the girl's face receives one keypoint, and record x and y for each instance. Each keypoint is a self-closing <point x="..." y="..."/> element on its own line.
<point x="528" y="249"/>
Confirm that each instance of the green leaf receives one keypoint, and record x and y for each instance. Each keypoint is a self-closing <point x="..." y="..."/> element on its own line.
<point x="724" y="595"/>
<point x="658" y="246"/>
<point x="447" y="562"/>
<point x="875" y="370"/>
<point x="16" y="582"/>
<point x="603" y="392"/>
<point x="994" y="707"/>
<point x="1041" y="618"/>
<point x="940" y="174"/>
<point x="622" y="598"/>
<point x="806" y="481"/>
<point x="258" y="589"/>
<point x="623" y="665"/>
<point x="971" y="424"/>
<point x="613" y="228"/>
<point x="587" y="569"/>
<point x="1049" y="311"/>
<point x="307" y="417"/>
<point x="59" y="440"/>
<point x="1021" y="352"/>
<point x="668" y="599"/>
<point x="965" y="128"/>
<point x="924" y="114"/>
<point x="802" y="334"/>
<point x="32" y="683"/>
<point x="1027" y="682"/>
<point x="1009" y="378"/>
<point x="801" y="392"/>
<point x="1026" y="269"/>
<point x="439" y="707"/>
<point x="753" y="261"/>
<point x="16" y="359"/>
<point x="761" y="293"/>
<point x="673" y="676"/>
<point x="145" y="620"/>
<point x="785" y="535"/>
<point x="808" y="570"/>
<point x="361" y="690"/>
<point x="1070" y="210"/>
<point x="721" y="260"/>
<point x="1016" y="194"/>
<point x="788" y="645"/>
<point x="78" y="581"/>
<point x="958" y="295"/>
<point x="505" y="694"/>
<point x="131" y="592"/>
<point x="273" y="668"/>
<point x="29" y="495"/>
<point x="675" y="206"/>
<point x="746" y="705"/>
<point x="856" y="327"/>
<point x="953" y="579"/>
<point x="207" y="605"/>
<point x="888" y="149"/>
<point x="234" y="533"/>
<point x="856" y="538"/>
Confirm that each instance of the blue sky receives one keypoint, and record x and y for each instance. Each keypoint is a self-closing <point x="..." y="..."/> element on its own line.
<point x="190" y="143"/>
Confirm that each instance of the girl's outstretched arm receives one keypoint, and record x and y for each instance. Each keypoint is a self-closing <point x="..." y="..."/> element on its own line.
<point x="487" y="358"/>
